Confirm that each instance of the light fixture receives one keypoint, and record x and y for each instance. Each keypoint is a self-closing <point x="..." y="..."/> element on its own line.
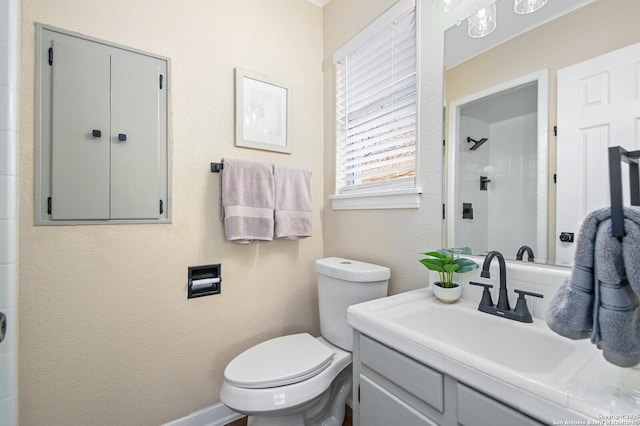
<point x="445" y="5"/>
<point x="523" y="7"/>
<point x="482" y="22"/>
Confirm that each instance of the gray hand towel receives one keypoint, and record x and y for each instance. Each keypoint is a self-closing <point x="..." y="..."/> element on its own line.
<point x="293" y="202"/>
<point x="616" y="327"/>
<point x="247" y="200"/>
<point x="600" y="298"/>
<point x="570" y="313"/>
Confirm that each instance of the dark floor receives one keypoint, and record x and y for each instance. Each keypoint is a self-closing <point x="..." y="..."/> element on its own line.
<point x="240" y="422"/>
<point x="347" y="419"/>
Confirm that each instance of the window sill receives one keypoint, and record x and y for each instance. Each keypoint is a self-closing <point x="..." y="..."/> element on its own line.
<point x="397" y="199"/>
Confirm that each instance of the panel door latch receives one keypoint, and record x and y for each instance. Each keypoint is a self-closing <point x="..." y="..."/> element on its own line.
<point x="3" y="326"/>
<point x="566" y="237"/>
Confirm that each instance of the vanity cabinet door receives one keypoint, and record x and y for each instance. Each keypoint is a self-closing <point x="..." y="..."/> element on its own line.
<point x="378" y="407"/>
<point x="394" y="389"/>
<point x="418" y="380"/>
<point x="476" y="409"/>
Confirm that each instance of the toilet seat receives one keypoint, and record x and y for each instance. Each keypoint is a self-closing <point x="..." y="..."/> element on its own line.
<point x="279" y="362"/>
<point x="275" y="400"/>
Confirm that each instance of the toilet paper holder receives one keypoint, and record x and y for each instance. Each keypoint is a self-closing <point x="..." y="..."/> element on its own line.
<point x="204" y="280"/>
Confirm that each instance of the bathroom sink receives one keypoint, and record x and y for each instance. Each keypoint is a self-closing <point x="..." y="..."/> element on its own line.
<point x="527" y="348"/>
<point x="459" y="332"/>
<point x="525" y="365"/>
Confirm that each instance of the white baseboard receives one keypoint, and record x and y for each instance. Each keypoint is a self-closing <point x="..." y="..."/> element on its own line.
<point x="214" y="415"/>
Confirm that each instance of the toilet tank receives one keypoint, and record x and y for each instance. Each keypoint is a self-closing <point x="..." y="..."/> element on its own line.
<point x="342" y="283"/>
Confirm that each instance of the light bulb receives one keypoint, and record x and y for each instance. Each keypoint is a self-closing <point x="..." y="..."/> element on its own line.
<point x="445" y="5"/>
<point x="523" y="7"/>
<point x="482" y="22"/>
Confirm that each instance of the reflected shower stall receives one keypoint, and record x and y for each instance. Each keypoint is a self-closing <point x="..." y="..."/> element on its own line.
<point x="494" y="174"/>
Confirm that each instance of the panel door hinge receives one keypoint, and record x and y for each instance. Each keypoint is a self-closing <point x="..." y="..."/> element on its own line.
<point x="555" y="178"/>
<point x="555" y="130"/>
<point x="161" y="206"/>
<point x="51" y="56"/>
<point x="444" y="142"/>
<point x="444" y="210"/>
<point x="161" y="81"/>
<point x="49" y="205"/>
<point x="358" y="393"/>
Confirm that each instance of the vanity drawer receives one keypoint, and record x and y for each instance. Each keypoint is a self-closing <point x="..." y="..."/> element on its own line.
<point x="476" y="409"/>
<point x="378" y="407"/>
<point x="420" y="381"/>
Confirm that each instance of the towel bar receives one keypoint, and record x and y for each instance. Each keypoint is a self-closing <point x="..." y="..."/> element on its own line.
<point x="216" y="167"/>
<point x="617" y="155"/>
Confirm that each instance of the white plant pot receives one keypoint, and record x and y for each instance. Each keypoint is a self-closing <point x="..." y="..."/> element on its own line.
<point x="447" y="295"/>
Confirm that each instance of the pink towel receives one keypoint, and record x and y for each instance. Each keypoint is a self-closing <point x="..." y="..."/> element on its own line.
<point x="247" y="200"/>
<point x="292" y="202"/>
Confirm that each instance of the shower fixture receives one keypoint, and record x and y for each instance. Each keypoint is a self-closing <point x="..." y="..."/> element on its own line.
<point x="476" y="144"/>
<point x="484" y="183"/>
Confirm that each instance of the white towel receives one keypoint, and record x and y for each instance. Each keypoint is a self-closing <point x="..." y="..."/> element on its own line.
<point x="292" y="202"/>
<point x="247" y="200"/>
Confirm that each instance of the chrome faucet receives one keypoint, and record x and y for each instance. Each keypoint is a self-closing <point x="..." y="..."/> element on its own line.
<point x="525" y="249"/>
<point x="503" y="299"/>
<point x="502" y="309"/>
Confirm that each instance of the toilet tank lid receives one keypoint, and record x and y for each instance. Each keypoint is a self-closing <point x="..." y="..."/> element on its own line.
<point x="352" y="270"/>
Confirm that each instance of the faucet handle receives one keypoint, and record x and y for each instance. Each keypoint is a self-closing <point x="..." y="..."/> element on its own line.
<point x="486" y="295"/>
<point x="521" y="309"/>
<point x="522" y="293"/>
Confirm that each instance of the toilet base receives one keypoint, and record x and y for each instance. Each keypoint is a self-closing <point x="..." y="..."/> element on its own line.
<point x="328" y="409"/>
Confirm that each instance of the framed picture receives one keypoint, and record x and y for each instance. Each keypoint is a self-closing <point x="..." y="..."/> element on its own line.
<point x="262" y="113"/>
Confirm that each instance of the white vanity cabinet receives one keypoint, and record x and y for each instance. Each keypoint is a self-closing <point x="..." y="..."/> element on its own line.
<point x="102" y="132"/>
<point x="392" y="388"/>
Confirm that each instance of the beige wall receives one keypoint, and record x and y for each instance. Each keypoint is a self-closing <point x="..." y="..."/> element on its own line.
<point x="593" y="30"/>
<point x="107" y="335"/>
<point x="389" y="237"/>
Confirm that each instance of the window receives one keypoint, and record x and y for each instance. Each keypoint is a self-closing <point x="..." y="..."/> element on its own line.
<point x="376" y="114"/>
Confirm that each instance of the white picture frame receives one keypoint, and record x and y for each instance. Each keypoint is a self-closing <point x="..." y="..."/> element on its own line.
<point x="262" y="112"/>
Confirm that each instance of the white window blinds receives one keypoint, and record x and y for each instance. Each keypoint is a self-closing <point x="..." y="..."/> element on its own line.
<point x="376" y="106"/>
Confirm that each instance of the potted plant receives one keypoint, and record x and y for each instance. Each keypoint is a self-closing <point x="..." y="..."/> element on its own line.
<point x="446" y="262"/>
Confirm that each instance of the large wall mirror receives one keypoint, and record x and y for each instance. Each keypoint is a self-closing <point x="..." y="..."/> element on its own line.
<point x="503" y="100"/>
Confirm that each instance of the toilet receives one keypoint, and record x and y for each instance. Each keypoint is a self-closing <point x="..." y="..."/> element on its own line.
<point x="299" y="379"/>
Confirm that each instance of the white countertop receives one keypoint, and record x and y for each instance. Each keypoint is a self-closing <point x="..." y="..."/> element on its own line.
<point x="556" y="380"/>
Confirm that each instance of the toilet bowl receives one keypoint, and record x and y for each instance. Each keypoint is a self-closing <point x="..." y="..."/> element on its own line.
<point x="280" y="394"/>
<point x="299" y="379"/>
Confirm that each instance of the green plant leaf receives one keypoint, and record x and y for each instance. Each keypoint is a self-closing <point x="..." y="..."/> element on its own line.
<point x="461" y="250"/>
<point x="437" y="254"/>
<point x="433" y="264"/>
<point x="467" y="262"/>
<point x="466" y="265"/>
<point x="447" y="252"/>
<point x="446" y="262"/>
<point x="452" y="267"/>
